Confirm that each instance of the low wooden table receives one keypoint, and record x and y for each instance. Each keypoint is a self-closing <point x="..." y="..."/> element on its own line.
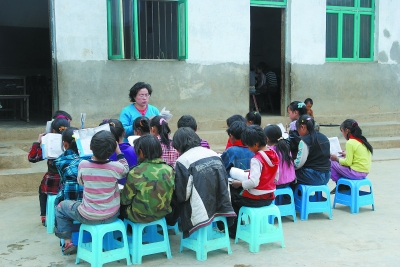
<point x="24" y="99"/>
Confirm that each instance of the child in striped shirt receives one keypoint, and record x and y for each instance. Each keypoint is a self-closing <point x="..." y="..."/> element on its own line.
<point x="101" y="196"/>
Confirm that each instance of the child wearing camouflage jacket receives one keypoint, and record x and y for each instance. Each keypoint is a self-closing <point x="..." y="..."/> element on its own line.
<point x="149" y="186"/>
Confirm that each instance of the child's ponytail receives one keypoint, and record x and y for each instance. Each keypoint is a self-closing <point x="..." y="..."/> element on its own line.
<point x="142" y="124"/>
<point x="162" y="128"/>
<point x="116" y="128"/>
<point x="67" y="136"/>
<point x="356" y="132"/>
<point x="274" y="135"/>
<point x="59" y="125"/>
<point x="308" y="121"/>
<point x="298" y="106"/>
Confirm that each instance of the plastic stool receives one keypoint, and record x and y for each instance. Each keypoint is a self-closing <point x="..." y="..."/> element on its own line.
<point x="307" y="203"/>
<point x="175" y="228"/>
<point x="207" y="238"/>
<point x="92" y="252"/>
<point x="355" y="198"/>
<point x="156" y="242"/>
<point x="256" y="230"/>
<point x="285" y="209"/>
<point x="50" y="213"/>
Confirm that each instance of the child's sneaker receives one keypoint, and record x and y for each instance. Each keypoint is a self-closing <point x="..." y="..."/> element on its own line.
<point x="69" y="249"/>
<point x="43" y="218"/>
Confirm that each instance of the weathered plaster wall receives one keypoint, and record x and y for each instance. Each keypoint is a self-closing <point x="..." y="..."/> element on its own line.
<point x="210" y="85"/>
<point x="340" y="88"/>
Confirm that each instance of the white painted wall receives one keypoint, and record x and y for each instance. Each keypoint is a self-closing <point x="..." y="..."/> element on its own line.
<point x="219" y="31"/>
<point x="81" y="30"/>
<point x="306" y="31"/>
<point x="387" y="31"/>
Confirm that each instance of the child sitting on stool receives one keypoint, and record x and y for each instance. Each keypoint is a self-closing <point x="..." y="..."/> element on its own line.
<point x="101" y="199"/>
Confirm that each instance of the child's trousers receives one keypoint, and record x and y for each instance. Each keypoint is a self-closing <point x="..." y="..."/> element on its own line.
<point x="67" y="213"/>
<point x="339" y="171"/>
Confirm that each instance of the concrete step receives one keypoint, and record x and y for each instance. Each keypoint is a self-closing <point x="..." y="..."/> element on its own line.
<point x="23" y="181"/>
<point x="12" y="157"/>
<point x="369" y="130"/>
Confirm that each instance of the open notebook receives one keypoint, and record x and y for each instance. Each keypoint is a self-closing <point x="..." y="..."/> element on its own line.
<point x="52" y="146"/>
<point x="335" y="146"/>
<point x="84" y="136"/>
<point x="238" y="174"/>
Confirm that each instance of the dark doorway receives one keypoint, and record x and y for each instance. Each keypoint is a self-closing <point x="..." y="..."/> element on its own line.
<point x="267" y="46"/>
<point x="25" y="53"/>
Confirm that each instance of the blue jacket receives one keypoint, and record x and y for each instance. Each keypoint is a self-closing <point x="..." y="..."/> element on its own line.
<point x="237" y="156"/>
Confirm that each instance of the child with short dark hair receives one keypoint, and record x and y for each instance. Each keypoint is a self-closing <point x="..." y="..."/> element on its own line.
<point x="118" y="132"/>
<point x="201" y="183"/>
<point x="312" y="164"/>
<point x="189" y="121"/>
<point x="258" y="190"/>
<point x="229" y="121"/>
<point x="51" y="179"/>
<point x="101" y="196"/>
<point x="276" y="142"/>
<point x="159" y="127"/>
<point x="61" y="114"/>
<point x="67" y="166"/>
<point x="253" y="117"/>
<point x="150" y="182"/>
<point x="309" y="103"/>
<point x="237" y="155"/>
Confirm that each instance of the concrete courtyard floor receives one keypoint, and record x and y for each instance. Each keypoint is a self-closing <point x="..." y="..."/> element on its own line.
<point x="369" y="238"/>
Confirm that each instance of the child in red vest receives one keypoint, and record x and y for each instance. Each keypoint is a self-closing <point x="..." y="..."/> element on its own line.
<point x="258" y="189"/>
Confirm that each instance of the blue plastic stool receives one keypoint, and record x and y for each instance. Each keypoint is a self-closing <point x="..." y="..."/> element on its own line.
<point x="156" y="242"/>
<point x="92" y="252"/>
<point x="285" y="209"/>
<point x="50" y="213"/>
<point x="256" y="230"/>
<point x="207" y="238"/>
<point x="354" y="198"/>
<point x="306" y="202"/>
<point x="175" y="228"/>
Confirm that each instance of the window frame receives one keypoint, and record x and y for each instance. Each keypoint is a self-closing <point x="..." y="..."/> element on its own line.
<point x="268" y="3"/>
<point x="357" y="11"/>
<point x="182" y="34"/>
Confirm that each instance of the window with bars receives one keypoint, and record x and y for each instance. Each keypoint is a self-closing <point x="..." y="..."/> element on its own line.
<point x="147" y="29"/>
<point x="350" y="30"/>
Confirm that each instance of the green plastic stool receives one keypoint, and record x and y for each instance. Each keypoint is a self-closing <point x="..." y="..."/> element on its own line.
<point x="156" y="242"/>
<point x="256" y="230"/>
<point x="207" y="238"/>
<point x="92" y="252"/>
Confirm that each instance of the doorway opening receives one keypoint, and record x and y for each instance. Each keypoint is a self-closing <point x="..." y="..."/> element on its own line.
<point x="267" y="55"/>
<point x="25" y="60"/>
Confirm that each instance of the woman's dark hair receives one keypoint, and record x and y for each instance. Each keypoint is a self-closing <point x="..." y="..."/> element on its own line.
<point x="135" y="89"/>
<point x="162" y="128"/>
<point x="116" y="128"/>
<point x="59" y="125"/>
<point x="149" y="145"/>
<point x="355" y="131"/>
<point x="236" y="129"/>
<point x="254" y="134"/>
<point x="233" y="118"/>
<point x="274" y="134"/>
<point x="67" y="137"/>
<point x="61" y="114"/>
<point x="299" y="106"/>
<point x="255" y="117"/>
<point x="308" y="121"/>
<point x="103" y="145"/>
<point x="184" y="139"/>
<point x="187" y="121"/>
<point x="308" y="100"/>
<point x="142" y="124"/>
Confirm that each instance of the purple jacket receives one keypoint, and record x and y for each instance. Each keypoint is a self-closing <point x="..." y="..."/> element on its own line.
<point x="130" y="156"/>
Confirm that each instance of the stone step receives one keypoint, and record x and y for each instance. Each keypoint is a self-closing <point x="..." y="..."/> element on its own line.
<point x="23" y="181"/>
<point x="12" y="157"/>
<point x="369" y="130"/>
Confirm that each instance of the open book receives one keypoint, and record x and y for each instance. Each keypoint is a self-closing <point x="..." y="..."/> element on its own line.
<point x="335" y="146"/>
<point x="84" y="136"/>
<point x="52" y="146"/>
<point x="238" y="174"/>
<point x="284" y="133"/>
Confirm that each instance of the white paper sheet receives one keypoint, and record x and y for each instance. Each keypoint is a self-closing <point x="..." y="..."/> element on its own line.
<point x="52" y="146"/>
<point x="335" y="146"/>
<point x="132" y="138"/>
<point x="238" y="174"/>
<point x="84" y="136"/>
